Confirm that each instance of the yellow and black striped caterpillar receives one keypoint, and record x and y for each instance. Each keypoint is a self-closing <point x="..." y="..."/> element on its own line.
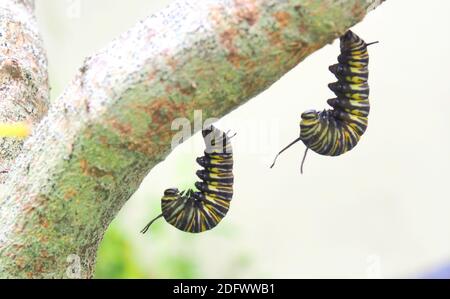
<point x="199" y="211"/>
<point x="336" y="131"/>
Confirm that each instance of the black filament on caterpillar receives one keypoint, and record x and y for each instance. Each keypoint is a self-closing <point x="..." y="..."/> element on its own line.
<point x="199" y="211"/>
<point x="333" y="132"/>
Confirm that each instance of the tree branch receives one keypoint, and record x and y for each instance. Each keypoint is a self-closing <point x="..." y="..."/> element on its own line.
<point x="113" y="122"/>
<point x="23" y="74"/>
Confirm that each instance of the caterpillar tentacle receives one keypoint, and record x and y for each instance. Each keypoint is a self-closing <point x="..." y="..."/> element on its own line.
<point x="199" y="211"/>
<point x="333" y="132"/>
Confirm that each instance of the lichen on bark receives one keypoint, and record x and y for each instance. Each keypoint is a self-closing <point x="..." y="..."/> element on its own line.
<point x="24" y="90"/>
<point x="112" y="124"/>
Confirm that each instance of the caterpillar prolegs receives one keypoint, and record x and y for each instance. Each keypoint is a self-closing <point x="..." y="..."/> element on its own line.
<point x="333" y="132"/>
<point x="199" y="211"/>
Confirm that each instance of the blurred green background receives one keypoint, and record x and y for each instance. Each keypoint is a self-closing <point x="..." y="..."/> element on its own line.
<point x="379" y="211"/>
<point x="124" y="253"/>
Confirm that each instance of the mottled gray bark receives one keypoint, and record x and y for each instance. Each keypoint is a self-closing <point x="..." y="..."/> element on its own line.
<point x="23" y="74"/>
<point x="112" y="124"/>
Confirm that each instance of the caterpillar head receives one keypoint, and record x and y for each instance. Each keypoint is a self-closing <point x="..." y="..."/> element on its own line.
<point x="310" y="119"/>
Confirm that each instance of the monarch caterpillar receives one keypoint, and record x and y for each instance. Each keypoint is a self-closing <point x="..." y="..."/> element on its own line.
<point x="199" y="211"/>
<point x="336" y="131"/>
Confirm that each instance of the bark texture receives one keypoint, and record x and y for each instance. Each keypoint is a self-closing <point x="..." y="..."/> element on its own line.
<point x="112" y="124"/>
<point x="23" y="74"/>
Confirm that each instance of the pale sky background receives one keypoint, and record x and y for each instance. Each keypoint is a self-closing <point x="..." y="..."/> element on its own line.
<point x="381" y="210"/>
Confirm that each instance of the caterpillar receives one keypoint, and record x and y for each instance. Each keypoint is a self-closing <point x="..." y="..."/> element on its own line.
<point x="333" y="132"/>
<point x="199" y="211"/>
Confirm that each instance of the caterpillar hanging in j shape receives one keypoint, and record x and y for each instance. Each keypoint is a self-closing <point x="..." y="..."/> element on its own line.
<point x="199" y="211"/>
<point x="333" y="132"/>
